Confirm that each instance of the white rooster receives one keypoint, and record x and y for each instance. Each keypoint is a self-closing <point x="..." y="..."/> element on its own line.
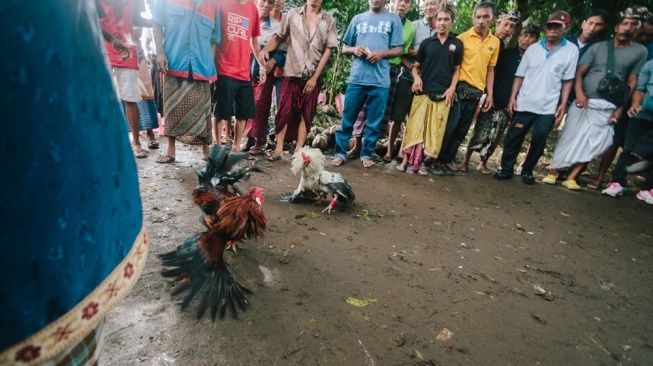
<point x="315" y="182"/>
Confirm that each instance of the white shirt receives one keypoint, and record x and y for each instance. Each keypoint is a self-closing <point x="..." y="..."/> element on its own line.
<point x="543" y="73"/>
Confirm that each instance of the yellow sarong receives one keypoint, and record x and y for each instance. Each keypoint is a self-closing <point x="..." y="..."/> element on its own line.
<point x="426" y="124"/>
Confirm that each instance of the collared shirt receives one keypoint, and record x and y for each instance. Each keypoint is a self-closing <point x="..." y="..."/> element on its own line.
<point x="543" y="73"/>
<point x="408" y="30"/>
<point x="477" y="57"/>
<point x="438" y="62"/>
<point x="423" y="30"/>
<point x="305" y="50"/>
<point x="188" y="33"/>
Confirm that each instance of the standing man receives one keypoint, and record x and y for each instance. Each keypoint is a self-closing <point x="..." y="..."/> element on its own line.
<point x="438" y="62"/>
<point x="588" y="130"/>
<point x="424" y="28"/>
<point x="506" y="25"/>
<point x="476" y="77"/>
<point x="121" y="18"/>
<point x="591" y="30"/>
<point x="313" y="35"/>
<point x="373" y="37"/>
<point x="234" y="94"/>
<point x="543" y="79"/>
<point x="400" y="7"/>
<point x="186" y="70"/>
<point x="491" y="125"/>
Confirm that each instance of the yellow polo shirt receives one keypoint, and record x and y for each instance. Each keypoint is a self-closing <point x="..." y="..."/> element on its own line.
<point x="477" y="56"/>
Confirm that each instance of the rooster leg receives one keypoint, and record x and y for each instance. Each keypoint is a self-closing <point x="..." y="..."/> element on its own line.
<point x="233" y="245"/>
<point x="331" y="205"/>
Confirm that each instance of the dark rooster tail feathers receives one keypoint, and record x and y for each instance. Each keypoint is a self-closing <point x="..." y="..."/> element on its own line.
<point x="219" y="165"/>
<point x="204" y="279"/>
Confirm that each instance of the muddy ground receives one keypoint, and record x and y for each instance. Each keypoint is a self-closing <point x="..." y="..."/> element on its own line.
<point x="448" y="266"/>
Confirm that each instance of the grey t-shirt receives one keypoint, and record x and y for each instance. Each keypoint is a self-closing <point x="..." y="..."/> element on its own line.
<point x="627" y="60"/>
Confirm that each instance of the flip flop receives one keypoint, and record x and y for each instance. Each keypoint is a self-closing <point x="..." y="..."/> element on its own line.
<point x="164" y="159"/>
<point x="421" y="172"/>
<point x="386" y="159"/>
<point x="140" y="154"/>
<point x="153" y="144"/>
<point x="593" y="186"/>
<point x="272" y="156"/>
<point x="256" y="150"/>
<point x="401" y="168"/>
<point x="459" y="168"/>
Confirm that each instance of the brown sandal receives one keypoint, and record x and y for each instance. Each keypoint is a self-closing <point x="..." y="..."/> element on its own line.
<point x="164" y="159"/>
<point x="272" y="156"/>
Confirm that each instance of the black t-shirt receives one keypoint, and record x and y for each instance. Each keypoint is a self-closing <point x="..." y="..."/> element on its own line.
<point x="504" y="75"/>
<point x="438" y="62"/>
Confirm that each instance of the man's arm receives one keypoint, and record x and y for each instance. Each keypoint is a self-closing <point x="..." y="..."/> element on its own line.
<point x="312" y="81"/>
<point x="516" y="85"/>
<point x="564" y="96"/>
<point x="581" y="98"/>
<point x="273" y="44"/>
<point x="417" y="80"/>
<point x="489" y="87"/>
<point x="636" y="103"/>
<point x="617" y="113"/>
<point x="449" y="94"/>
<point x="378" y="55"/>
<point x="161" y="59"/>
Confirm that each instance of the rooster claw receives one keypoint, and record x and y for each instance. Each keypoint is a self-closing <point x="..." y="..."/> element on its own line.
<point x="327" y="210"/>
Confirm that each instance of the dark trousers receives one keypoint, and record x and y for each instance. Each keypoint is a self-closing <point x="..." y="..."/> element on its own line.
<point x="524" y="121"/>
<point x="457" y="127"/>
<point x="637" y="128"/>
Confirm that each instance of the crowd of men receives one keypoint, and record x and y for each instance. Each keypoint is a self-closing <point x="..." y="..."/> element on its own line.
<point x="224" y="59"/>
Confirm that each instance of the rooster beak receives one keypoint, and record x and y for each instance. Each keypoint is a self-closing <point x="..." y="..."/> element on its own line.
<point x="258" y="200"/>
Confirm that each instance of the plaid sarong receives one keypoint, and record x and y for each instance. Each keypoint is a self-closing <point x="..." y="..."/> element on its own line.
<point x="86" y="352"/>
<point x="187" y="106"/>
<point x="359" y="125"/>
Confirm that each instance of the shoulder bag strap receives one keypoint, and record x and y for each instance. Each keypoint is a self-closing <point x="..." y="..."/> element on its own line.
<point x="609" y="69"/>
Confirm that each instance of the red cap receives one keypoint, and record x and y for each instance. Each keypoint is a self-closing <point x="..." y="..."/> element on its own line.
<point x="560" y="17"/>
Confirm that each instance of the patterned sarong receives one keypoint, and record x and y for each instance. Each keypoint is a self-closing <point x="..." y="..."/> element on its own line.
<point x="425" y="128"/>
<point x="488" y="132"/>
<point x="293" y="105"/>
<point x="156" y="85"/>
<point x="187" y="106"/>
<point x="359" y="125"/>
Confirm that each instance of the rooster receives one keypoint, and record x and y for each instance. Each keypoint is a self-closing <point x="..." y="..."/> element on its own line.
<point x="315" y="182"/>
<point x="199" y="266"/>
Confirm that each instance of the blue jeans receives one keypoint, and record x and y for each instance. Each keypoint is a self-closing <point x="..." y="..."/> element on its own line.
<point x="356" y="97"/>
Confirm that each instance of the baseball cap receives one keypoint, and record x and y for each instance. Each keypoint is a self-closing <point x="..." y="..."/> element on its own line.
<point x="560" y="17"/>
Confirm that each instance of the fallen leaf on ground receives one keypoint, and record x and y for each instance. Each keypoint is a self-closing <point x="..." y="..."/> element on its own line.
<point x="358" y="302"/>
<point x="444" y="335"/>
<point x="565" y="214"/>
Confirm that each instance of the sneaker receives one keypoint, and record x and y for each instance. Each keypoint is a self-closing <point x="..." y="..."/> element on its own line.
<point x="646" y="196"/>
<point x="527" y="178"/>
<point x="549" y="179"/>
<point x="501" y="176"/>
<point x="447" y="170"/>
<point x="570" y="184"/>
<point x="614" y="189"/>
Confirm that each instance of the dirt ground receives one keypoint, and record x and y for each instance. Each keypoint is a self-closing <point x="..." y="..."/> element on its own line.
<point x="448" y="267"/>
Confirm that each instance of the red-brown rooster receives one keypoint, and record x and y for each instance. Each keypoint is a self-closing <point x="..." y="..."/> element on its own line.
<point x="200" y="269"/>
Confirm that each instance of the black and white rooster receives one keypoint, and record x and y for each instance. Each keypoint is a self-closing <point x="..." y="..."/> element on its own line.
<point x="315" y="182"/>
